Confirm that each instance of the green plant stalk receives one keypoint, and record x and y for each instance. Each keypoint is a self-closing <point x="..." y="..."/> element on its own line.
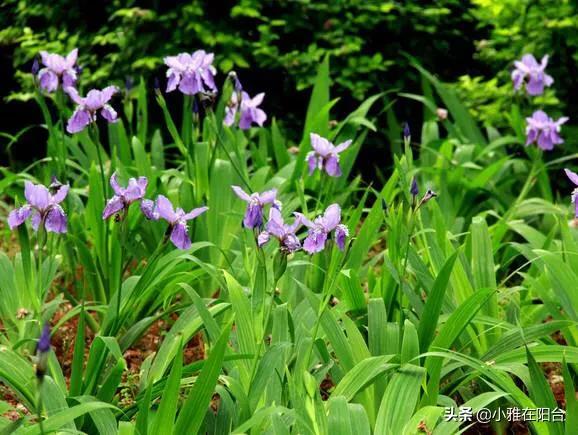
<point x="320" y="311"/>
<point x="52" y="146"/>
<point x="40" y="240"/>
<point x="501" y="226"/>
<point x="219" y="141"/>
<point x="266" y="309"/>
<point x="403" y="269"/>
<point x="95" y="139"/>
<point x="39" y="408"/>
<point x="62" y="143"/>
<point x="123" y="237"/>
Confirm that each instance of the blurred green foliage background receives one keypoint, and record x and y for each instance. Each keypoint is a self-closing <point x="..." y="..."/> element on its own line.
<point x="276" y="45"/>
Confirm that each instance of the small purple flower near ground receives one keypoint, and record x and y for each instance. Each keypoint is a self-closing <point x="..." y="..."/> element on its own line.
<point x="191" y="72"/>
<point x="248" y="108"/>
<point x="277" y="228"/>
<point x="124" y="196"/>
<point x="321" y="227"/>
<point x="574" y="179"/>
<point x="57" y="69"/>
<point x="87" y="107"/>
<point x="530" y="72"/>
<point x="543" y="130"/>
<point x="177" y="219"/>
<point x="256" y="201"/>
<point x="44" y="208"/>
<point x="325" y="155"/>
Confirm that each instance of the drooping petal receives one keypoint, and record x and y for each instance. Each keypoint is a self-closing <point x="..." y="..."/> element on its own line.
<point x="245" y="120"/>
<point x="78" y="121"/>
<point x="332" y="217"/>
<point x="165" y="209"/>
<point x="535" y="86"/>
<point x="37" y="195"/>
<point x="48" y="80"/>
<point x="275" y="224"/>
<point x="180" y="236"/>
<point x="190" y="84"/>
<point x="517" y="79"/>
<point x="572" y="176"/>
<point x="173" y="81"/>
<point x="149" y="210"/>
<point x="109" y="113"/>
<point x="315" y="241"/>
<point x="531" y="135"/>
<point x="259" y="116"/>
<point x="69" y="78"/>
<point x="18" y="216"/>
<point x="35" y="221"/>
<point x="208" y="79"/>
<point x="60" y="194"/>
<point x="263" y="238"/>
<point x="311" y="162"/>
<point x="332" y="166"/>
<point x="241" y="193"/>
<point x="291" y="243"/>
<point x="55" y="220"/>
<point x="113" y="206"/>
<point x="341" y="233"/>
<point x="253" y="216"/>
<point x="195" y="213"/>
<point x="230" y="113"/>
<point x="545" y="142"/>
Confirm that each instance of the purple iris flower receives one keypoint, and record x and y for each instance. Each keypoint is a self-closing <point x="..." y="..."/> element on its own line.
<point x="256" y="201"/>
<point x="277" y="228"/>
<point x="414" y="189"/>
<point x="574" y="179"/>
<point x="321" y="227"/>
<point x="325" y="155"/>
<point x="124" y="196"/>
<point x="406" y="132"/>
<point x="87" y="107"/>
<point x="177" y="219"/>
<point x="191" y="72"/>
<point x="543" y="130"/>
<point x="42" y="349"/>
<point x="530" y="72"/>
<point x="44" y="208"/>
<point x="43" y="344"/>
<point x="57" y="68"/>
<point x="248" y="108"/>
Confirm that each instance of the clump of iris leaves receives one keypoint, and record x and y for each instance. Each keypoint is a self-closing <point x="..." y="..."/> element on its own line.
<point x="430" y="302"/>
